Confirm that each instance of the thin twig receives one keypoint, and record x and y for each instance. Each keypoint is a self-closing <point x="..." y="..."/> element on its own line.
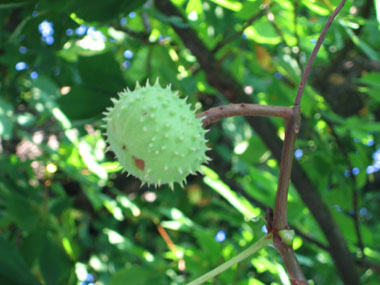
<point x="167" y="239"/>
<point x="271" y="19"/>
<point x="314" y="53"/>
<point x="217" y="113"/>
<point x="145" y="18"/>
<point x="355" y="200"/>
<point x="255" y="17"/>
<point x="296" y="35"/>
<point x="172" y="246"/>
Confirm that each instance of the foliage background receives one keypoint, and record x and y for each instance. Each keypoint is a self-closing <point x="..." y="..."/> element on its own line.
<point x="67" y="213"/>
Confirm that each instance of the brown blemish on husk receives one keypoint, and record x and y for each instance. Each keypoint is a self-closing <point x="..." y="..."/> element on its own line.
<point x="139" y="163"/>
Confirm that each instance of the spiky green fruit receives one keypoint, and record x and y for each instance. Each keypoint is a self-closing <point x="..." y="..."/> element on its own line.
<point x="155" y="135"/>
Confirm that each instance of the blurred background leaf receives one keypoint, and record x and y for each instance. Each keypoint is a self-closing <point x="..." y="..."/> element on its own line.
<point x="68" y="215"/>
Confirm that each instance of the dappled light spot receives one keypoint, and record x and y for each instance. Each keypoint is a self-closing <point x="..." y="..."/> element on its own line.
<point x="21" y="66"/>
<point x="220" y="236"/>
<point x="298" y="153"/>
<point x="128" y="54"/>
<point x="126" y="64"/>
<point x="23" y="50"/>
<point x="81" y="30"/>
<point x="46" y="29"/>
<point x="150" y="196"/>
<point x="65" y="90"/>
<point x="34" y="75"/>
<point x="248" y="90"/>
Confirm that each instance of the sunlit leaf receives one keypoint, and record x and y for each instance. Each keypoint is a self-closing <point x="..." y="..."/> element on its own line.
<point x="263" y="32"/>
<point x="239" y="202"/>
<point x="318" y="7"/>
<point x="229" y="4"/>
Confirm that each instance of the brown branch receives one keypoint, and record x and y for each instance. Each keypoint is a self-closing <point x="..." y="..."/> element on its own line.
<point x="217" y="113"/>
<point x="238" y="188"/>
<point x="291" y="131"/>
<point x="292" y="119"/>
<point x="315" y="51"/>
<point x="224" y="82"/>
<point x="280" y="221"/>
<point x="290" y="261"/>
<point x="292" y="128"/>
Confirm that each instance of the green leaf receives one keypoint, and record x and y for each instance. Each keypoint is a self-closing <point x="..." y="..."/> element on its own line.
<point x="44" y="95"/>
<point x="139" y="275"/>
<point x="374" y="93"/>
<point x="13" y="5"/>
<point x="173" y="20"/>
<point x="317" y="7"/>
<point x="101" y="73"/>
<point x="13" y="269"/>
<point x="101" y="80"/>
<point x="23" y="210"/>
<point x="255" y="152"/>
<point x="194" y="6"/>
<point x="54" y="263"/>
<point x="31" y="246"/>
<point x="88" y="156"/>
<point x="17" y="32"/>
<point x="229" y="4"/>
<point x="246" y="11"/>
<point x="262" y="32"/>
<point x="76" y="104"/>
<point x="367" y="49"/>
<point x="138" y="69"/>
<point x="237" y="201"/>
<point x="179" y="220"/>
<point x="341" y="197"/>
<point x="210" y="248"/>
<point x="102" y="11"/>
<point x="371" y="78"/>
<point x="6" y="119"/>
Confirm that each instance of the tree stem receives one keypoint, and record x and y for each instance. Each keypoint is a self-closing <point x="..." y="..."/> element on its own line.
<point x="293" y="268"/>
<point x="280" y="210"/>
